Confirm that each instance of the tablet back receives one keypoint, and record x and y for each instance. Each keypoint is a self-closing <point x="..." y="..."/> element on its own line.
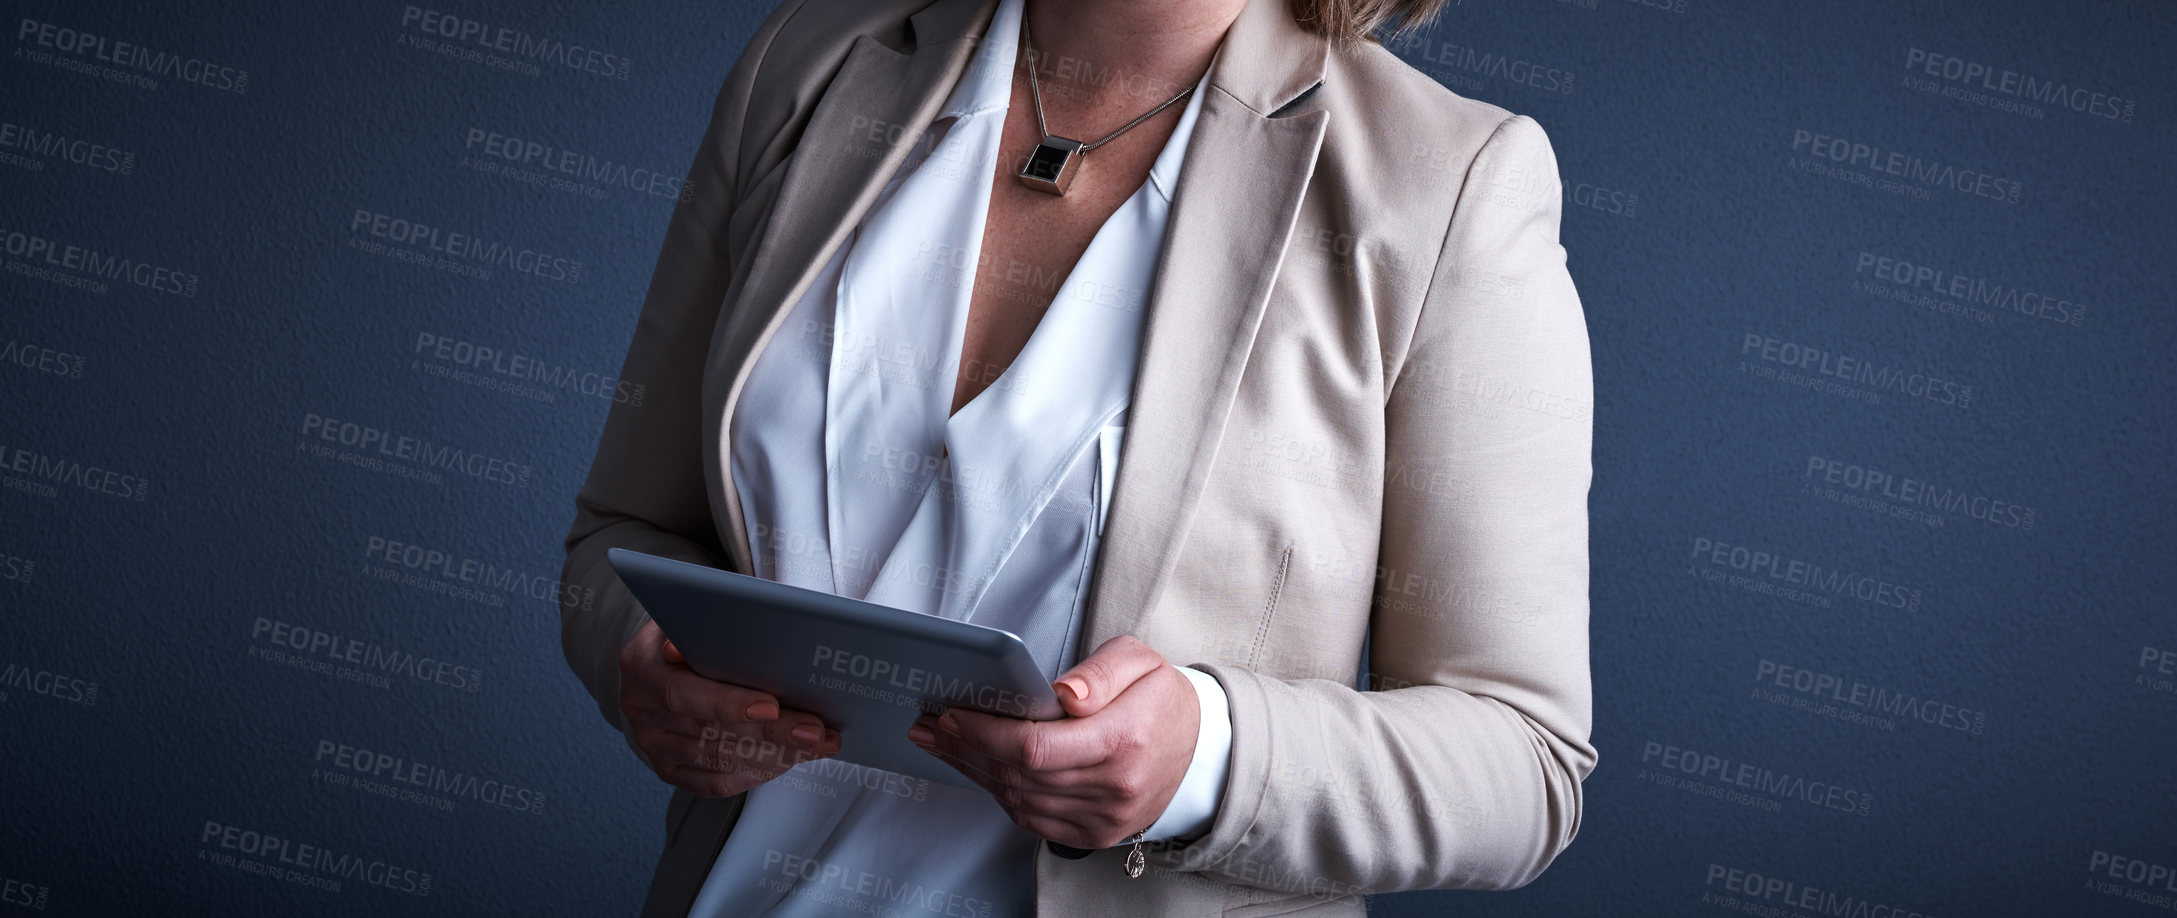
<point x="867" y="670"/>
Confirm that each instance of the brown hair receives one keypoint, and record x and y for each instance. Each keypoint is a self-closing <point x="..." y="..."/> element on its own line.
<point x="1358" y="20"/>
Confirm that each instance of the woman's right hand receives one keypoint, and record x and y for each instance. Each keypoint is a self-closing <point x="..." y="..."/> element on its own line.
<point x="708" y="737"/>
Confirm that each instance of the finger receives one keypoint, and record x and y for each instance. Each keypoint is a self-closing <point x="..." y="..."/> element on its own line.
<point x="1000" y="779"/>
<point x="1083" y="783"/>
<point x="976" y="771"/>
<point x="1066" y="820"/>
<point x="796" y="728"/>
<point x="659" y="718"/>
<point x="693" y="696"/>
<point x="761" y="719"/>
<point x="676" y="686"/>
<point x="664" y="721"/>
<point x="1094" y="682"/>
<point x="812" y="736"/>
<point x="781" y="727"/>
<point x="1043" y="746"/>
<point x="923" y="733"/>
<point x="1082" y="792"/>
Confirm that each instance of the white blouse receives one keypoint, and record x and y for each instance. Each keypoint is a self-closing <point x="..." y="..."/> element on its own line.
<point x="856" y="479"/>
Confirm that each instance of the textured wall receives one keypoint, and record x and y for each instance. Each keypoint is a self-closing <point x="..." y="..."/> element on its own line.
<point x="1881" y="543"/>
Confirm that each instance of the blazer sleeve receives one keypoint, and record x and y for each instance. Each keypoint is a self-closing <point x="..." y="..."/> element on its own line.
<point x="646" y="487"/>
<point x="1466" y="771"/>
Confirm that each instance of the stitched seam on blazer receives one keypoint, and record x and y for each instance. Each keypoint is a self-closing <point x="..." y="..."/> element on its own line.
<point x="1269" y="609"/>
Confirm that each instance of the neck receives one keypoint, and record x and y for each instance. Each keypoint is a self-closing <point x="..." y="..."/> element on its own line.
<point x="1125" y="53"/>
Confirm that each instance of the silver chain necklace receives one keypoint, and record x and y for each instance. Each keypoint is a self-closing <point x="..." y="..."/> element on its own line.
<point x="1055" y="161"/>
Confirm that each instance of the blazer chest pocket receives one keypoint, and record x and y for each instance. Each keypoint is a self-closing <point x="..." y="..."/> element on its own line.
<point x="1269" y="607"/>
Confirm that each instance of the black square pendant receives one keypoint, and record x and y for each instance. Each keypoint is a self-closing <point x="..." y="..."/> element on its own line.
<point x="1052" y="165"/>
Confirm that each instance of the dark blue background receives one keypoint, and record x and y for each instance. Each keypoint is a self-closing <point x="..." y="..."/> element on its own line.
<point x="1688" y="229"/>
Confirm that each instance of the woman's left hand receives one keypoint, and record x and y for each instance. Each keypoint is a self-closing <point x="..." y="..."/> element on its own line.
<point x="1094" y="780"/>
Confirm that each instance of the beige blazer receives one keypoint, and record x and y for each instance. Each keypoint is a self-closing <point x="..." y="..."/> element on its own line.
<point x="1362" y="416"/>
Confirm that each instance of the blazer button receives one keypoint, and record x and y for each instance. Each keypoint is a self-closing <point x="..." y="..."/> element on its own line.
<point x="1069" y="853"/>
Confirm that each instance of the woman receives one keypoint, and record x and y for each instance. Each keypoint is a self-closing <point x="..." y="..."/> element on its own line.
<point x="1274" y="362"/>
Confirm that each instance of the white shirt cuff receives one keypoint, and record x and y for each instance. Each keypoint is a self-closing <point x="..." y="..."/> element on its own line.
<point x="1202" y="789"/>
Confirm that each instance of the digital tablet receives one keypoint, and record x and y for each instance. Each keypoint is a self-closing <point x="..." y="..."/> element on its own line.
<point x="867" y="670"/>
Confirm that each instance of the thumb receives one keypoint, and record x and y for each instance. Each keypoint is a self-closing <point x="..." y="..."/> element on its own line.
<point x="1098" y="680"/>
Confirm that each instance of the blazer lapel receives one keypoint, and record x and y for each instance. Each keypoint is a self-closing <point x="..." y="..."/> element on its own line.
<point x="869" y="118"/>
<point x="1237" y="199"/>
<point x="1233" y="212"/>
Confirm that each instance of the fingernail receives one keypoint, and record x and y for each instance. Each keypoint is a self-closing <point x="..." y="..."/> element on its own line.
<point x="921" y="735"/>
<point x="1076" y="686"/>
<point x="807" y="734"/>
<point x="949" y="723"/>
<point x="763" y="710"/>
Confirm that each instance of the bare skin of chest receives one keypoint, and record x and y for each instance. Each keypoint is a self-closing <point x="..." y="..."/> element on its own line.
<point x="1031" y="240"/>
